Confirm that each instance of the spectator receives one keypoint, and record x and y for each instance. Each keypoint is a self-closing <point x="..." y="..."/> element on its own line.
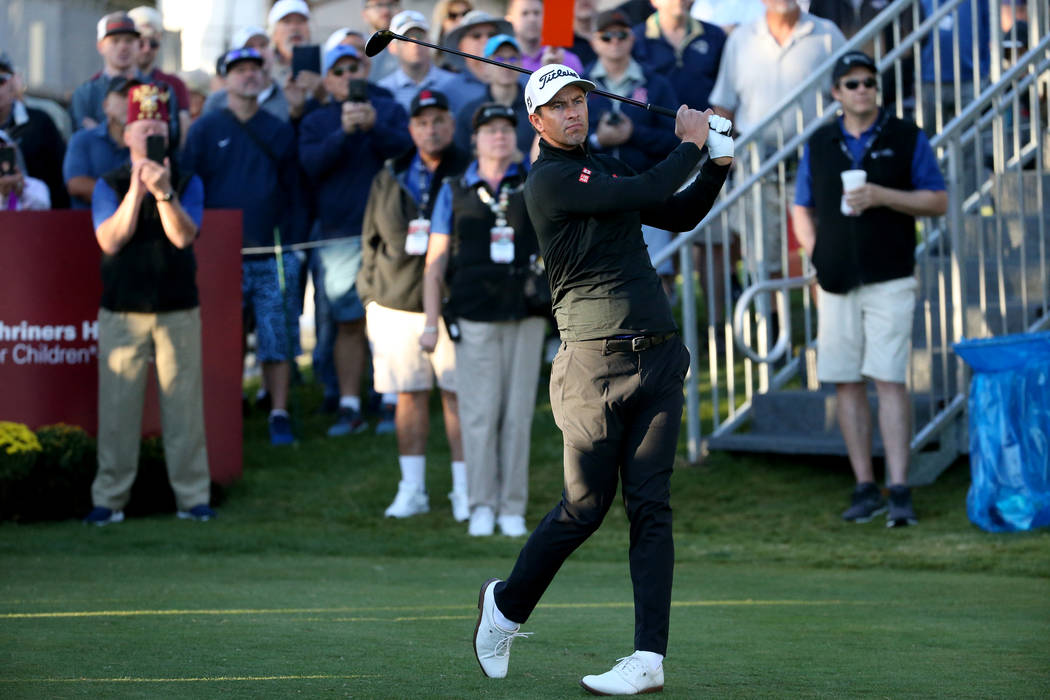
<point x="483" y="240"/>
<point x="147" y="216"/>
<point x="727" y="14"/>
<point x="526" y="16"/>
<point x="470" y="36"/>
<point x="446" y="15"/>
<point x="503" y="88"/>
<point x="118" y="44"/>
<point x="684" y="50"/>
<point x="635" y="136"/>
<point x="764" y="62"/>
<point x="585" y="12"/>
<point x="197" y="87"/>
<point x="271" y="98"/>
<point x="377" y="15"/>
<point x="150" y="25"/>
<point x="342" y="146"/>
<point x="246" y="158"/>
<point x="94" y="152"/>
<point x="865" y="262"/>
<point x="35" y="135"/>
<point x="390" y="283"/>
<point x="289" y="22"/>
<point x="416" y="69"/>
<point x="18" y="191"/>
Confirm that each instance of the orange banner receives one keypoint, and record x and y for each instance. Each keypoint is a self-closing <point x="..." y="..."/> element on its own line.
<point x="557" y="23"/>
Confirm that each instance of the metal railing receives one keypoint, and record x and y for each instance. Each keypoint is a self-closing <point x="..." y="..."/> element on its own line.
<point x="974" y="115"/>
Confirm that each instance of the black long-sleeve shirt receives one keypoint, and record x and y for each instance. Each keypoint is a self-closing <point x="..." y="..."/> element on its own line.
<point x="588" y="210"/>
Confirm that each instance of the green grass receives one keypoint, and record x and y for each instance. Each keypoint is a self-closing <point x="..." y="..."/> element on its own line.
<point x="300" y="588"/>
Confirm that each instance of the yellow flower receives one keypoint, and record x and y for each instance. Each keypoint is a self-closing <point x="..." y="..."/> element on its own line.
<point x="16" y="438"/>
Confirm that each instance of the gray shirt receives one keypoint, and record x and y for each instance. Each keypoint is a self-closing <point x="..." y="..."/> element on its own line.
<point x="271" y="99"/>
<point x="458" y="92"/>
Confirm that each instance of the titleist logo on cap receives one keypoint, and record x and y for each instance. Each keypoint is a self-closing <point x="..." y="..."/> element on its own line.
<point x="556" y="73"/>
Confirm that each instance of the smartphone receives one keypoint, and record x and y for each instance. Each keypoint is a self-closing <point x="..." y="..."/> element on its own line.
<point x="306" y="57"/>
<point x="7" y="160"/>
<point x="156" y="148"/>
<point x="613" y="119"/>
<point x="358" y="91"/>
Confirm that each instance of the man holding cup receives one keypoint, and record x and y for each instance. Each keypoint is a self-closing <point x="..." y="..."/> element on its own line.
<point x="855" y="217"/>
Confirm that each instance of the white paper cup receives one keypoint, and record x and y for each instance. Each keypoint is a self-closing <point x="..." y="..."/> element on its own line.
<point x="851" y="180"/>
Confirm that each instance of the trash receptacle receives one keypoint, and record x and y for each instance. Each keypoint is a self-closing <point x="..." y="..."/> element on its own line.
<point x="1009" y="406"/>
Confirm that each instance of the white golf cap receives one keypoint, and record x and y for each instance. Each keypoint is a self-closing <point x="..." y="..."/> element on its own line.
<point x="545" y="83"/>
<point x="335" y="38"/>
<point x="283" y="8"/>
<point x="243" y="36"/>
<point x="408" y="19"/>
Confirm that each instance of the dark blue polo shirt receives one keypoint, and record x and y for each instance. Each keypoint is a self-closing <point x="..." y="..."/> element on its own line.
<point x="91" y="153"/>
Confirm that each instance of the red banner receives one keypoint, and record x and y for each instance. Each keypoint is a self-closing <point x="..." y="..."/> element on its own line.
<point x="49" y="294"/>
<point x="558" y="18"/>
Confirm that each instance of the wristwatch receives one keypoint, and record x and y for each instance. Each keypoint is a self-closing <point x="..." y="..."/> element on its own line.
<point x="167" y="197"/>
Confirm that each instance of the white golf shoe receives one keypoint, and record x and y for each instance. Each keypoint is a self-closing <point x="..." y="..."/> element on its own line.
<point x="460" y="505"/>
<point x="409" y="501"/>
<point x="492" y="642"/>
<point x="630" y="676"/>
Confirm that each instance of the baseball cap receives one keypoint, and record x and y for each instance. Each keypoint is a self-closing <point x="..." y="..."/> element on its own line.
<point x="283" y="8"/>
<point x="246" y="34"/>
<point x="339" y="51"/>
<point x="850" y="60"/>
<point x="144" y="16"/>
<point x="148" y="102"/>
<point x="427" y="98"/>
<point x="612" y="18"/>
<point x="235" y="56"/>
<point x="545" y="83"/>
<point x="408" y="19"/>
<point x="473" y="19"/>
<point x="336" y="38"/>
<point x="115" y="23"/>
<point x="493" y="44"/>
<point x="493" y="110"/>
<point x="121" y="84"/>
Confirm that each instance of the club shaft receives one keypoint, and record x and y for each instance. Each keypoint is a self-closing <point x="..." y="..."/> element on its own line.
<point x="650" y="107"/>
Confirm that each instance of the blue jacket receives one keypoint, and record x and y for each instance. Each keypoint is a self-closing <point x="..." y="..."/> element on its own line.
<point x="693" y="70"/>
<point x="341" y="166"/>
<point x="652" y="136"/>
<point x="238" y="173"/>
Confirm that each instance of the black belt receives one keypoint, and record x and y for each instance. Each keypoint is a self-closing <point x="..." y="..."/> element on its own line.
<point x="637" y="343"/>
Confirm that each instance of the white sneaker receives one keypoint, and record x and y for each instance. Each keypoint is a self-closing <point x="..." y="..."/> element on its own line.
<point x="512" y="525"/>
<point x="460" y="505"/>
<point x="492" y="642"/>
<point x="482" y="522"/>
<point x="630" y="676"/>
<point x="409" y="501"/>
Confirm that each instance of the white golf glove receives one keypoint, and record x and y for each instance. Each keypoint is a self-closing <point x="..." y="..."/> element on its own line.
<point x="719" y="137"/>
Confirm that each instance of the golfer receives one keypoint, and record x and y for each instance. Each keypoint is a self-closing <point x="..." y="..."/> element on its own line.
<point x="616" y="384"/>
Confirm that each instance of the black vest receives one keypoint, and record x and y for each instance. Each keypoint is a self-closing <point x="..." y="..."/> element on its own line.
<point x="149" y="274"/>
<point x="878" y="245"/>
<point x="479" y="289"/>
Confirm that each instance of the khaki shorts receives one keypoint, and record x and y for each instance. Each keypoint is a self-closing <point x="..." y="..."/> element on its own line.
<point x="866" y="332"/>
<point x="398" y="363"/>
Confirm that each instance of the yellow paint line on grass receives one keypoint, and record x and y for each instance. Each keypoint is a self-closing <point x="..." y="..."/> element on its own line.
<point x="373" y="618"/>
<point x="214" y="679"/>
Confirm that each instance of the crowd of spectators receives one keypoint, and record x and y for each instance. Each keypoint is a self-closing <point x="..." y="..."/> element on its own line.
<point x="328" y="153"/>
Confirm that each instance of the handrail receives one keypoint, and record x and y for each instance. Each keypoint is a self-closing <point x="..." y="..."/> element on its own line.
<point x="780" y="287"/>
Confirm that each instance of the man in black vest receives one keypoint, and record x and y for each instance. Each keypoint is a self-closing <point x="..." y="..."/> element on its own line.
<point x="862" y="243"/>
<point x="146" y="219"/>
<point x="616" y="383"/>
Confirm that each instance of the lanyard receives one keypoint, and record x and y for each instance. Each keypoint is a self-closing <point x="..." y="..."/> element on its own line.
<point x="499" y="204"/>
<point x="424" y="188"/>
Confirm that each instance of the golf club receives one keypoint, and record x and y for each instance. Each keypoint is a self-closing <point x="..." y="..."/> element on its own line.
<point x="381" y="39"/>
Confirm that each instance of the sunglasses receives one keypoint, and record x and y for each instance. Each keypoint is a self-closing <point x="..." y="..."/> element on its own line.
<point x="609" y="36"/>
<point x="481" y="35"/>
<point x="854" y="84"/>
<point x="506" y="59"/>
<point x="455" y="15"/>
<point x="152" y="43"/>
<point x="345" y="70"/>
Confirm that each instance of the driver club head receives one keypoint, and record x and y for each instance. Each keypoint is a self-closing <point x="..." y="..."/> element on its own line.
<point x="378" y="41"/>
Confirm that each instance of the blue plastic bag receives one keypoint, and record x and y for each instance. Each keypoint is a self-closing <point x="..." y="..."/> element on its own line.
<point x="1009" y="431"/>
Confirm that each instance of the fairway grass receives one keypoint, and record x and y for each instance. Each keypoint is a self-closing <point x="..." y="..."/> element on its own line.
<point x="320" y="626"/>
